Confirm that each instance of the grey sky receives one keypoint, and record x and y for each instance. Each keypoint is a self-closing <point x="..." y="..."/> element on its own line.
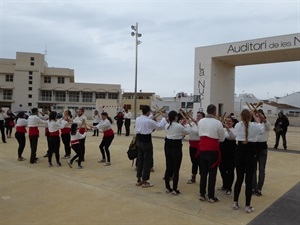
<point x="93" y="38"/>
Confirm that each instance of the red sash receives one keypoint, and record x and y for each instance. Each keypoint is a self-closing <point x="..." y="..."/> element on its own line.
<point x="34" y="131"/>
<point x="107" y="133"/>
<point x="55" y="133"/>
<point x="194" y="144"/>
<point x="65" y="130"/>
<point x="46" y="131"/>
<point x="74" y="142"/>
<point x="21" y="129"/>
<point x="82" y="130"/>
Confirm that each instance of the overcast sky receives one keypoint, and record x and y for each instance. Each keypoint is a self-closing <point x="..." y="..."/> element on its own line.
<point x="94" y="38"/>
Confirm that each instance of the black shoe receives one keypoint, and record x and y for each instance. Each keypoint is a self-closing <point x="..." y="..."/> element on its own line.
<point x="258" y="193"/>
<point x="58" y="164"/>
<point x="176" y="192"/>
<point x="45" y="156"/>
<point x="4" y="142"/>
<point x="50" y="164"/>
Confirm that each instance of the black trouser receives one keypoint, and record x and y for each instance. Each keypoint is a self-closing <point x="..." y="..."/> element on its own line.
<point x="173" y="153"/>
<point x="33" y="140"/>
<point x="8" y="130"/>
<point x="207" y="159"/>
<point x="104" y="147"/>
<point x="2" y="130"/>
<point x="227" y="163"/>
<point x="127" y="126"/>
<point x="54" y="148"/>
<point x="195" y="165"/>
<point x="96" y="131"/>
<point x="145" y="156"/>
<point x="283" y="135"/>
<point x="78" y="151"/>
<point x="66" y="138"/>
<point x="82" y="143"/>
<point x="245" y="160"/>
<point x="119" y="126"/>
<point x="20" y="136"/>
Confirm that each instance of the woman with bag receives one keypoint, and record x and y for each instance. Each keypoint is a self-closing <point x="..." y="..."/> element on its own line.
<point x="9" y="123"/>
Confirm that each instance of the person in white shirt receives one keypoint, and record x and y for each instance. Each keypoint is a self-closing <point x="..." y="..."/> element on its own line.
<point x="211" y="132"/>
<point x="143" y="129"/>
<point x="75" y="144"/>
<point x="108" y="137"/>
<point x="54" y="126"/>
<point x="33" y="123"/>
<point x="20" y="134"/>
<point x="261" y="155"/>
<point x="127" y="117"/>
<point x="194" y="144"/>
<point x="245" y="156"/>
<point x="173" y="151"/>
<point x="81" y="121"/>
<point x="227" y="148"/>
<point x="96" y="120"/>
<point x="2" y="119"/>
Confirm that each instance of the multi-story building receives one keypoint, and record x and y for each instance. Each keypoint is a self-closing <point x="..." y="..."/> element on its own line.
<point x="27" y="82"/>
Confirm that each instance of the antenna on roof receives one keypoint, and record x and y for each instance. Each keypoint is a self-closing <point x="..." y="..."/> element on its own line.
<point x="45" y="53"/>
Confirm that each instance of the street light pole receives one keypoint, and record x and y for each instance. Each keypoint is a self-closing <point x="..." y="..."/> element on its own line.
<point x="137" y="42"/>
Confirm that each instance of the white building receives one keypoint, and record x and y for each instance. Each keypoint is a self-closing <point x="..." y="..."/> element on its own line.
<point x="292" y="99"/>
<point x="27" y="82"/>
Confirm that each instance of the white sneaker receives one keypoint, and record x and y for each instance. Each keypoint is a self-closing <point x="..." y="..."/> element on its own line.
<point x="249" y="209"/>
<point x="235" y="206"/>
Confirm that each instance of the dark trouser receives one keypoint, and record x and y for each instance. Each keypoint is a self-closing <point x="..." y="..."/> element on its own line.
<point x="144" y="160"/>
<point x="283" y="135"/>
<point x="173" y="153"/>
<point x="66" y="138"/>
<point x="195" y="165"/>
<point x="119" y="126"/>
<point x="54" y="148"/>
<point x="20" y="136"/>
<point x="207" y="159"/>
<point x="2" y="130"/>
<point x="245" y="160"/>
<point x="227" y="163"/>
<point x="127" y="126"/>
<point x="77" y="149"/>
<point x="96" y="131"/>
<point x="82" y="143"/>
<point x="33" y="140"/>
<point x="261" y="157"/>
<point x="48" y="143"/>
<point x="104" y="147"/>
<point x="8" y="130"/>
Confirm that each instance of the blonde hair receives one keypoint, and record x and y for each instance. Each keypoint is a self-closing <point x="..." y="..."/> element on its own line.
<point x="246" y="118"/>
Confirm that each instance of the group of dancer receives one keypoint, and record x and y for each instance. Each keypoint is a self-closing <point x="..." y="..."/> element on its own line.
<point x="72" y="132"/>
<point x="228" y="145"/>
<point x="236" y="148"/>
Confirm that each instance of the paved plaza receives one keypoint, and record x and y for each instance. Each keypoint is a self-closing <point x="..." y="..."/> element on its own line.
<point x="42" y="195"/>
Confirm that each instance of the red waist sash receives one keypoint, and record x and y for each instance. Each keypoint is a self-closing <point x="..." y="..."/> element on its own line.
<point x="55" y="133"/>
<point x="107" y="133"/>
<point x="34" y="131"/>
<point x="21" y="129"/>
<point x="65" y="130"/>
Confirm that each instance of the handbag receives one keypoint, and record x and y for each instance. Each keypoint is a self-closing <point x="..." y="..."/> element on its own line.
<point x="132" y="151"/>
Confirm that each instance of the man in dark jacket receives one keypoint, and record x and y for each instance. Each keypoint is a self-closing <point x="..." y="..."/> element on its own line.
<point x="281" y="126"/>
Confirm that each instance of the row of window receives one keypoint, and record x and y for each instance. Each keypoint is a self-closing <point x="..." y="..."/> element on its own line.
<point x="61" y="96"/>
<point x="47" y="80"/>
<point x="60" y="80"/>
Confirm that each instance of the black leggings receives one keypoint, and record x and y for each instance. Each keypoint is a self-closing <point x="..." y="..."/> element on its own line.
<point x="104" y="146"/>
<point x="78" y="150"/>
<point x="20" y="136"/>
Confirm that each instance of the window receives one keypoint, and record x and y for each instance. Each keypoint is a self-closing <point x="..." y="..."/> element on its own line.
<point x="183" y="105"/>
<point x="73" y="96"/>
<point x="7" y="94"/>
<point x="47" y="80"/>
<point x="101" y="95"/>
<point x="60" y="96"/>
<point x="30" y="77"/>
<point x="30" y="72"/>
<point x="31" y="63"/>
<point x="29" y="104"/>
<point x="87" y="96"/>
<point x="9" y="78"/>
<point x="88" y="108"/>
<point x="29" y="96"/>
<point x="189" y="105"/>
<point x="29" y="88"/>
<point x="60" y="80"/>
<point x="30" y="82"/>
<point x="127" y="106"/>
<point x="46" y="95"/>
<point x="31" y="58"/>
<point x="113" y="95"/>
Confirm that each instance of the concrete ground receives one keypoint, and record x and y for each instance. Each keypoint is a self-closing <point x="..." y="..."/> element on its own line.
<point x="97" y="194"/>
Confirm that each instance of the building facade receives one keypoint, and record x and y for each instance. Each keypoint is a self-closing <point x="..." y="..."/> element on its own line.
<point x="27" y="82"/>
